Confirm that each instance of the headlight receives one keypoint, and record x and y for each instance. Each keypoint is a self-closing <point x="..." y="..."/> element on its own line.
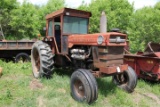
<point x="100" y="39"/>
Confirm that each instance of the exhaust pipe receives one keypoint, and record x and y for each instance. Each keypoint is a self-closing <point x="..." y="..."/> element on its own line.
<point x="103" y="23"/>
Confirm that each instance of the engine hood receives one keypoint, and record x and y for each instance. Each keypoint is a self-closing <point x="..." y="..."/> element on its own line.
<point x="93" y="39"/>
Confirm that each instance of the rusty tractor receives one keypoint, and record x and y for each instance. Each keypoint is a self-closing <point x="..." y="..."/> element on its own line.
<point x="67" y="44"/>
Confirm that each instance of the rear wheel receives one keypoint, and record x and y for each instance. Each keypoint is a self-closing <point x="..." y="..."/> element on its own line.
<point x="84" y="86"/>
<point x="22" y="57"/>
<point x="42" y="60"/>
<point x="127" y="80"/>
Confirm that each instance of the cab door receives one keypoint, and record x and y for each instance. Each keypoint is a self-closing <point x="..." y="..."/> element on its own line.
<point x="54" y="33"/>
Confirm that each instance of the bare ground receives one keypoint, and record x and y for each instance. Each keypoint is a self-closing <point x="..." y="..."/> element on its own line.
<point x="35" y="84"/>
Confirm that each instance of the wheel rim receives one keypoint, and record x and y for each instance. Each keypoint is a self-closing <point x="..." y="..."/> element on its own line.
<point x="79" y="88"/>
<point x="122" y="78"/>
<point x="36" y="60"/>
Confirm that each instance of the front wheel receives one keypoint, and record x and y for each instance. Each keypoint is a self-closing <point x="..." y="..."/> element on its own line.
<point x="42" y="60"/>
<point x="84" y="86"/>
<point x="126" y="80"/>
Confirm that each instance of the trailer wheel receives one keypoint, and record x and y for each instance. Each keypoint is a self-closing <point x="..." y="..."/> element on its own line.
<point x="84" y="86"/>
<point x="22" y="57"/>
<point x="42" y="60"/>
<point x="127" y="80"/>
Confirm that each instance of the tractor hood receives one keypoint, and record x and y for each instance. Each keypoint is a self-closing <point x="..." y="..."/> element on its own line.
<point x="98" y="39"/>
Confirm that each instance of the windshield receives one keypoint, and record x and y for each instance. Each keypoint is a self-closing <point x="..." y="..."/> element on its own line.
<point x="75" y="25"/>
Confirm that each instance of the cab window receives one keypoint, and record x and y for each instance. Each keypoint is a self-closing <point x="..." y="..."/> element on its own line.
<point x="75" y="25"/>
<point x="50" y="28"/>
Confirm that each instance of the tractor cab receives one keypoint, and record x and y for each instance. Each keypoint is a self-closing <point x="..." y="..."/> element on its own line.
<point x="65" y="22"/>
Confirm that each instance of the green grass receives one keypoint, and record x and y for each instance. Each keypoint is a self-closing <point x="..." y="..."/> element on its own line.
<point x="18" y="88"/>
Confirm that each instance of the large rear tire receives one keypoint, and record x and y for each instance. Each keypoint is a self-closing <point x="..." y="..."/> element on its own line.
<point x="127" y="80"/>
<point x="42" y="60"/>
<point x="84" y="86"/>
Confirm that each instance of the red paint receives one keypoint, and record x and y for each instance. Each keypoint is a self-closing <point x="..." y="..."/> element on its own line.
<point x="146" y="67"/>
<point x="91" y="39"/>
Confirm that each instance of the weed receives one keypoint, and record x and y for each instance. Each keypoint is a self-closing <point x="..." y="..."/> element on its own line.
<point x="18" y="88"/>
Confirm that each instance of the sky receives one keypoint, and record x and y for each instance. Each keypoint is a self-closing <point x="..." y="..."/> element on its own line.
<point x="75" y="3"/>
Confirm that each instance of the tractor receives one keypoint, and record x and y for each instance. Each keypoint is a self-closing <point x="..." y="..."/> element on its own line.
<point x="67" y="44"/>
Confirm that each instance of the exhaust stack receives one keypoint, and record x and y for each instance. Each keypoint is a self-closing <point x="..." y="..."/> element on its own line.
<point x="103" y="23"/>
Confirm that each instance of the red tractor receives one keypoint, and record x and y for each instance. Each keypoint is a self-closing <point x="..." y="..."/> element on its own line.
<point x="68" y="45"/>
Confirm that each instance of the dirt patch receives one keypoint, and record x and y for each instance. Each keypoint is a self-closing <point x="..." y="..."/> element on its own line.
<point x="153" y="97"/>
<point x="61" y="90"/>
<point x="41" y="102"/>
<point x="1" y="71"/>
<point x="35" y="84"/>
<point x="106" y="102"/>
<point x="137" y="97"/>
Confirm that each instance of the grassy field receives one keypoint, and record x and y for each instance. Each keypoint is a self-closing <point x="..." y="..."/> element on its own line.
<point x="18" y="88"/>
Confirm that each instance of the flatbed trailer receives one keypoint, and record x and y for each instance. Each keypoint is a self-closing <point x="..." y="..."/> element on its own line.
<point x="18" y="49"/>
<point x="146" y="64"/>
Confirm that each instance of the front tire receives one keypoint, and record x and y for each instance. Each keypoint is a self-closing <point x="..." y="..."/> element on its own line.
<point x="126" y="80"/>
<point x="84" y="86"/>
<point x="42" y="60"/>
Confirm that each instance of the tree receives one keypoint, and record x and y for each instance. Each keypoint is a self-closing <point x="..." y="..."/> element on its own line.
<point x="118" y="13"/>
<point x="6" y="6"/>
<point x="25" y="21"/>
<point x="144" y="27"/>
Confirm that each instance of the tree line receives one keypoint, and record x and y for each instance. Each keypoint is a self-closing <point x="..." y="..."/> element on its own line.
<point x="26" y="21"/>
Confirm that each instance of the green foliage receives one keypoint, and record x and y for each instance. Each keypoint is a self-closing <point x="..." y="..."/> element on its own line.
<point x="118" y="13"/>
<point x="19" y="88"/>
<point x="8" y="94"/>
<point x="144" y="27"/>
<point x="25" y="21"/>
<point x="6" y="6"/>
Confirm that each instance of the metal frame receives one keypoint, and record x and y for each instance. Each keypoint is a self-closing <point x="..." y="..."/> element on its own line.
<point x="146" y="64"/>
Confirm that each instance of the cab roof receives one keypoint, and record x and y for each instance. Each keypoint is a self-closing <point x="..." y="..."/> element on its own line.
<point x="69" y="12"/>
